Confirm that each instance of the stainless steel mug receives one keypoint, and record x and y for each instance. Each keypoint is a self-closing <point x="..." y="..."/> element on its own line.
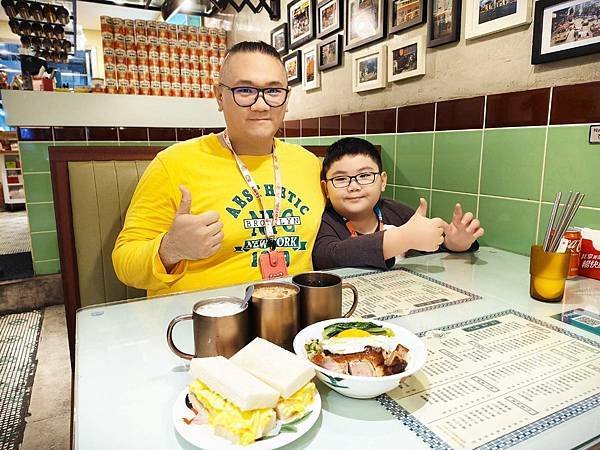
<point x="275" y="312"/>
<point x="221" y="327"/>
<point x="321" y="297"/>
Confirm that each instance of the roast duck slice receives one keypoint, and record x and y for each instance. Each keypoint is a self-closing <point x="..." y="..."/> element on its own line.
<point x="371" y="362"/>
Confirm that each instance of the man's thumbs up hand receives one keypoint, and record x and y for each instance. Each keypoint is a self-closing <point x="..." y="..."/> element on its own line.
<point x="186" y="201"/>
<point x="191" y="236"/>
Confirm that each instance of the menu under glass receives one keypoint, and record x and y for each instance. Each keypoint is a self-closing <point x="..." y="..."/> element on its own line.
<point x="497" y="380"/>
<point x="398" y="292"/>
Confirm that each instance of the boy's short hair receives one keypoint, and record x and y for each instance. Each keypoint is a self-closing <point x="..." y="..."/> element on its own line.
<point x="349" y="147"/>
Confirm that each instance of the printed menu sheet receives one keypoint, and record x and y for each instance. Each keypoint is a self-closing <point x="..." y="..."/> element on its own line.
<point x="398" y="292"/>
<point x="492" y="382"/>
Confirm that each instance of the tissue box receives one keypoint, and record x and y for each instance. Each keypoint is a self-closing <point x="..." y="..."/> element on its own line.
<point x="589" y="260"/>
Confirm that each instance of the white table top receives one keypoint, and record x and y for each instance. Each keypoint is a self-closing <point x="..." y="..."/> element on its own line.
<point x="127" y="379"/>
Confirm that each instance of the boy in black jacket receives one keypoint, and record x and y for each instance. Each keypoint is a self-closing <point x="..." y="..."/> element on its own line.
<point x="359" y="228"/>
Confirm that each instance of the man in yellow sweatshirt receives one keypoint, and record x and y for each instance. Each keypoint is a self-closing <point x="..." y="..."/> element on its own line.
<point x="197" y="217"/>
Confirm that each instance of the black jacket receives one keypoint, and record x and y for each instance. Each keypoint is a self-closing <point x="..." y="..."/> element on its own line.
<point x="335" y="248"/>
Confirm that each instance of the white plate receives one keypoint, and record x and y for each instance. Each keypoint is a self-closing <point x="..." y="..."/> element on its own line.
<point x="202" y="436"/>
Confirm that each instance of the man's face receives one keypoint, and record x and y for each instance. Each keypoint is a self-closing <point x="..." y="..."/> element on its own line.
<point x="259" y="121"/>
<point x="354" y="199"/>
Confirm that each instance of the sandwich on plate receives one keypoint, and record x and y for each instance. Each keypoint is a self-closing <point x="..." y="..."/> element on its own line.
<point x="284" y="371"/>
<point x="237" y="405"/>
<point x="252" y="395"/>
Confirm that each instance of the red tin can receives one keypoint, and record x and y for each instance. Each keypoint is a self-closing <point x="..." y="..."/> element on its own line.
<point x="572" y="241"/>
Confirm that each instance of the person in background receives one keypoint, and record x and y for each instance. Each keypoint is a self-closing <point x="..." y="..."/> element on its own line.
<point x="230" y="207"/>
<point x="361" y="229"/>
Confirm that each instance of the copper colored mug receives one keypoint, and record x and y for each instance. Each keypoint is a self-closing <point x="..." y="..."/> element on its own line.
<point x="321" y="297"/>
<point x="215" y="334"/>
<point x="275" y="312"/>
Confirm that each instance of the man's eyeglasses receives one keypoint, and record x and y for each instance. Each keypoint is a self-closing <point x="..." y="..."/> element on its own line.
<point x="363" y="179"/>
<point x="246" y="96"/>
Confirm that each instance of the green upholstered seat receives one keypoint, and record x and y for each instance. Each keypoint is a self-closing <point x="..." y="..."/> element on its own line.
<point x="100" y="195"/>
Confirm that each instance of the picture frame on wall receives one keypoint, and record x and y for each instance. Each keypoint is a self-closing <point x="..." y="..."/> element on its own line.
<point x="364" y="22"/>
<point x="491" y="16"/>
<point x="330" y="52"/>
<point x="311" y="76"/>
<point x="329" y="17"/>
<point x="293" y="67"/>
<point x="279" y="39"/>
<point x="369" y="69"/>
<point x="406" y="58"/>
<point x="405" y="14"/>
<point x="443" y="22"/>
<point x="301" y="22"/>
<point x="564" y="29"/>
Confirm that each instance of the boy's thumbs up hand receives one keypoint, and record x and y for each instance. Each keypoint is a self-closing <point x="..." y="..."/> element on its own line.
<point x="191" y="236"/>
<point x="422" y="208"/>
<point x="423" y="233"/>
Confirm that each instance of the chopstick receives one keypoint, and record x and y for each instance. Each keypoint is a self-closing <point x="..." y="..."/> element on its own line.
<point x="558" y="224"/>
<point x="551" y="220"/>
<point x="568" y="213"/>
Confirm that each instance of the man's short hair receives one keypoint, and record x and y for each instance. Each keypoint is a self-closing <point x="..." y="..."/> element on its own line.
<point x="254" y="47"/>
<point x="350" y="147"/>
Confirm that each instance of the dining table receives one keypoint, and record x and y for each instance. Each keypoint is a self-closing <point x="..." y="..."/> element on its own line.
<point x="126" y="379"/>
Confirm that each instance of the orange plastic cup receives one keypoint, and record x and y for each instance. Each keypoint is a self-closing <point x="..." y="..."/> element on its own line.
<point x="548" y="274"/>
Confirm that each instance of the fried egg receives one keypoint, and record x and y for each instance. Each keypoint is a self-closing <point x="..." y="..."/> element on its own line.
<point x="345" y="343"/>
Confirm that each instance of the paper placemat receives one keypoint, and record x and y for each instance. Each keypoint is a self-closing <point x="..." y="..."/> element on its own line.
<point x="495" y="381"/>
<point x="399" y="292"/>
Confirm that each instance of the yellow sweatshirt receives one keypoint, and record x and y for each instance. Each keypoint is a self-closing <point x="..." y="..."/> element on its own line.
<point x="211" y="174"/>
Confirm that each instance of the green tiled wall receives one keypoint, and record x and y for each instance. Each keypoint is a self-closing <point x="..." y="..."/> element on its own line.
<point x="507" y="177"/>
<point x="40" y="203"/>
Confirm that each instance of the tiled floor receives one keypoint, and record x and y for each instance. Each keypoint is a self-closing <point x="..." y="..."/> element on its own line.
<point x="14" y="233"/>
<point x="48" y="426"/>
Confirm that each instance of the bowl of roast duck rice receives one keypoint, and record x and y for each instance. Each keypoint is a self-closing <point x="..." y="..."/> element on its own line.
<point x="360" y="358"/>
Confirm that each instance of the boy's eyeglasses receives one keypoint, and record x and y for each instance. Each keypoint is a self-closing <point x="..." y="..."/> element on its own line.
<point x="246" y="96"/>
<point x="363" y="179"/>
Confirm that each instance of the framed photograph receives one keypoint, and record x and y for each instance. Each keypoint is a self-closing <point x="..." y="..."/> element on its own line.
<point x="279" y="38"/>
<point x="490" y="16"/>
<point x="443" y="22"/>
<point x="404" y="14"/>
<point x="329" y="17"/>
<point x="406" y="58"/>
<point x="565" y="29"/>
<point x="311" y="76"/>
<point x="293" y="67"/>
<point x="369" y="69"/>
<point x="364" y="22"/>
<point x="301" y="20"/>
<point x="330" y="52"/>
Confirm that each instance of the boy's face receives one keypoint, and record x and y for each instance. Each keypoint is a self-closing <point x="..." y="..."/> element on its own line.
<point x="355" y="199"/>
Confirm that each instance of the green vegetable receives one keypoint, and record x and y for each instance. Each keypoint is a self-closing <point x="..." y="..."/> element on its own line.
<point x="313" y="347"/>
<point x="336" y="328"/>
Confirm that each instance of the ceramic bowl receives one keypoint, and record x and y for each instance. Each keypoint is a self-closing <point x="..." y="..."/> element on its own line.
<point x="361" y="386"/>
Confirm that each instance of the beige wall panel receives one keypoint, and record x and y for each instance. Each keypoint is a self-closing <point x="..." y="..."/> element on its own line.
<point x="86" y="227"/>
